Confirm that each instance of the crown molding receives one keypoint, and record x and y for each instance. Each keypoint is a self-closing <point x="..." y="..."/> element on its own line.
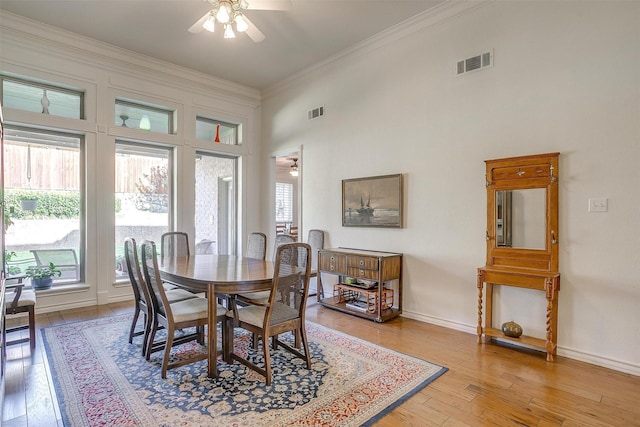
<point x="105" y="56"/>
<point x="443" y="12"/>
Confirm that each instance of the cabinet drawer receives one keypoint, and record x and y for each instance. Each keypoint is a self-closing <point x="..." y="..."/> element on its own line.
<point x="523" y="172"/>
<point x="332" y="263"/>
<point x="362" y="273"/>
<point x="368" y="263"/>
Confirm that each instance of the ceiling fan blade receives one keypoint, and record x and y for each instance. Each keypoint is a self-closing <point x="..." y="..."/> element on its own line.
<point x="197" y="27"/>
<point x="253" y="32"/>
<point x="269" y="4"/>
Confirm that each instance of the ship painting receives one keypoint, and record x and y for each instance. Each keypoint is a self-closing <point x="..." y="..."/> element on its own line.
<point x="372" y="202"/>
<point x="365" y="210"/>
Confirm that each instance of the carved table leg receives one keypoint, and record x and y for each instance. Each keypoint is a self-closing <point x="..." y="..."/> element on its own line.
<point x="480" y="284"/>
<point x="550" y="288"/>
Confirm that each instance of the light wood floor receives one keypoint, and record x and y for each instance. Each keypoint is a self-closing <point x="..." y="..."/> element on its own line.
<point x="486" y="385"/>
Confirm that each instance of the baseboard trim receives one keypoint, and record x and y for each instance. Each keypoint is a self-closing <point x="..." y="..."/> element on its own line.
<point x="594" y="359"/>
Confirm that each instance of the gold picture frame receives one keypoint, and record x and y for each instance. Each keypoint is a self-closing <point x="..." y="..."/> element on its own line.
<point x="372" y="201"/>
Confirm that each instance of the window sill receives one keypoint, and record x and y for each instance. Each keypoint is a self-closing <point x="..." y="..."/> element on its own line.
<point x="62" y="289"/>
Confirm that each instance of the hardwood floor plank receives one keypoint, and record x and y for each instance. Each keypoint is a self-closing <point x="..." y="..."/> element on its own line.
<point x="587" y="413"/>
<point x="40" y="402"/>
<point x="548" y="389"/>
<point x="464" y="416"/>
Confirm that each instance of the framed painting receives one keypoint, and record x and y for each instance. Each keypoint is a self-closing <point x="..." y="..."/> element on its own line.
<point x="372" y="202"/>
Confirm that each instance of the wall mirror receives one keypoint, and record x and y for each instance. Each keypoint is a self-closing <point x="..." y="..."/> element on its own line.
<point x="522" y="212"/>
<point x="521" y="218"/>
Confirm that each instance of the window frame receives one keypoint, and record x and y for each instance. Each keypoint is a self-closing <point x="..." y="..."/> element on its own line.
<point x="140" y="148"/>
<point x="82" y="183"/>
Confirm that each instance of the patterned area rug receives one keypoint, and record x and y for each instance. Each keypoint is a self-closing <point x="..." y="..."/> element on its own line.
<point x="102" y="380"/>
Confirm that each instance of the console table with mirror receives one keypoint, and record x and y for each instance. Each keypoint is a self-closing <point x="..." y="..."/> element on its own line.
<point x="522" y="241"/>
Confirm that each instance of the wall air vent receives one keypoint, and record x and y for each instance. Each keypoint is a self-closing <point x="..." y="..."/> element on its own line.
<point x="478" y="62"/>
<point x="316" y="112"/>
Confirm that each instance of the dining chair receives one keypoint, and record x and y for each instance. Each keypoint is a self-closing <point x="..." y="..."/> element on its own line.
<point x="284" y="311"/>
<point x="141" y="294"/>
<point x="19" y="300"/>
<point x="256" y="246"/>
<point x="184" y="314"/>
<point x="293" y="231"/>
<point x="316" y="241"/>
<point x="282" y="239"/>
<point x="205" y="246"/>
<point x="174" y="243"/>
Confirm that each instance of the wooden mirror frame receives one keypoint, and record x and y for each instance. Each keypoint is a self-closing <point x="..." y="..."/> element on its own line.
<point x="520" y="173"/>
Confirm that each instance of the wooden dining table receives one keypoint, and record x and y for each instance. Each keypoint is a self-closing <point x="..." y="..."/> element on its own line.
<point x="216" y="275"/>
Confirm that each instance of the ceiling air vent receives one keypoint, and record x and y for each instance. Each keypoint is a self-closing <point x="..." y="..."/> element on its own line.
<point x="474" y="63"/>
<point x="316" y="112"/>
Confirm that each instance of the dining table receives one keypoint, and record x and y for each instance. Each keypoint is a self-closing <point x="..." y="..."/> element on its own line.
<point x="216" y="275"/>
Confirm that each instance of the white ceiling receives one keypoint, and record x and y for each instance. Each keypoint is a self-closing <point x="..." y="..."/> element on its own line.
<point x="310" y="32"/>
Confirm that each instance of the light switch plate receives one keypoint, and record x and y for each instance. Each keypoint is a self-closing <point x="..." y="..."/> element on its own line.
<point x="598" y="205"/>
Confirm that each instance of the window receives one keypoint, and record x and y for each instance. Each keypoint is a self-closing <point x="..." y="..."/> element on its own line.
<point x="143" y="116"/>
<point x="216" y="131"/>
<point x="42" y="98"/>
<point x="215" y="199"/>
<point x="284" y="202"/>
<point x="143" y="196"/>
<point x="44" y="210"/>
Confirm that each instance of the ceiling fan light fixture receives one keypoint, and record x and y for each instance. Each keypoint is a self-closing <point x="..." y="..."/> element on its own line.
<point x="294" y="167"/>
<point x="228" y="32"/>
<point x="210" y="23"/>
<point x="241" y="24"/>
<point x="223" y="13"/>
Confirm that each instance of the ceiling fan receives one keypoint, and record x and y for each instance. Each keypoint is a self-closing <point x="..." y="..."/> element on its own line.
<point x="231" y="13"/>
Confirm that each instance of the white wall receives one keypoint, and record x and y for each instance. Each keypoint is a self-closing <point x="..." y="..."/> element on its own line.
<point x="36" y="51"/>
<point x="566" y="78"/>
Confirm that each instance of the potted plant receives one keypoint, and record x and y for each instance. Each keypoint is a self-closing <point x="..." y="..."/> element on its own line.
<point x="42" y="277"/>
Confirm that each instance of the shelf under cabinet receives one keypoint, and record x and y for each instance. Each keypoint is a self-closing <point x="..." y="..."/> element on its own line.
<point x="537" y="343"/>
<point x="384" y="315"/>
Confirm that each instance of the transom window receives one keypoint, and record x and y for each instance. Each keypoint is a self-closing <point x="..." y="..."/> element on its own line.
<point x="137" y="115"/>
<point x="216" y="131"/>
<point x="42" y="98"/>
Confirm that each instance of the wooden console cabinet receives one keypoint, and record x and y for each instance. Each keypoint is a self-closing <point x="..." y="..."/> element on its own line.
<point x="381" y="302"/>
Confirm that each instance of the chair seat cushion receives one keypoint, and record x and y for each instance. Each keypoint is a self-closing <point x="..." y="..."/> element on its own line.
<point x="254" y="315"/>
<point x="175" y="295"/>
<point x="193" y="309"/>
<point x="258" y="296"/>
<point x="28" y="297"/>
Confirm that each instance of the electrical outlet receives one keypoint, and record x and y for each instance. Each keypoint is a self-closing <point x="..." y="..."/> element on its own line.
<point x="598" y="205"/>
